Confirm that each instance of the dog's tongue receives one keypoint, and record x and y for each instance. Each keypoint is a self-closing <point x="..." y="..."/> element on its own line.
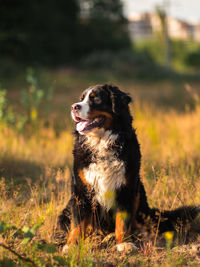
<point x="81" y="126"/>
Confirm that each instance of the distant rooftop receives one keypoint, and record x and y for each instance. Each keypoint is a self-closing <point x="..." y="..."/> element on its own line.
<point x="143" y="26"/>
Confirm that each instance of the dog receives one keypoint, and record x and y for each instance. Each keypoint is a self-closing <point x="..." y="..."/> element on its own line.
<point x="107" y="191"/>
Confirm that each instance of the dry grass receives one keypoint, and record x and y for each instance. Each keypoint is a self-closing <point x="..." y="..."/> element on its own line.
<point x="35" y="177"/>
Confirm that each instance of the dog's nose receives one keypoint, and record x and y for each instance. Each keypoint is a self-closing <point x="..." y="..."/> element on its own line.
<point x="76" y="107"/>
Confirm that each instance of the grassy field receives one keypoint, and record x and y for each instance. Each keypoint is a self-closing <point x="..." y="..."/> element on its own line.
<point x="35" y="168"/>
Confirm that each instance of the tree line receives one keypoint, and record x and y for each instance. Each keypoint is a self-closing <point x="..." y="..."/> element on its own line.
<point x="51" y="32"/>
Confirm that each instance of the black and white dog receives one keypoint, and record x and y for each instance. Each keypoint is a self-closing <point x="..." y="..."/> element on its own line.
<point x="107" y="191"/>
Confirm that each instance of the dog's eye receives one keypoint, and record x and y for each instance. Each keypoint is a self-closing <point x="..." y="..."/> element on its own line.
<point x="82" y="97"/>
<point x="92" y="96"/>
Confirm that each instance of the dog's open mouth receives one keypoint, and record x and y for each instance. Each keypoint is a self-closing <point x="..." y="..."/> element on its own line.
<point x="84" y="126"/>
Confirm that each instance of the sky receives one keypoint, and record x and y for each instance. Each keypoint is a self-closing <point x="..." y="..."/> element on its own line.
<point x="188" y="10"/>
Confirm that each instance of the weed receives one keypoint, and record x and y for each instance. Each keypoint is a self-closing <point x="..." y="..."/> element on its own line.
<point x="6" y="114"/>
<point x="34" y="99"/>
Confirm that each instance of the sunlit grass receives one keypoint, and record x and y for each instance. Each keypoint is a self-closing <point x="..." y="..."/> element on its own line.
<point x="35" y="174"/>
<point x="170" y="144"/>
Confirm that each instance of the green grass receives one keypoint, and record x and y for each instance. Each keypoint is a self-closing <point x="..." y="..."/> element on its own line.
<point x="179" y="51"/>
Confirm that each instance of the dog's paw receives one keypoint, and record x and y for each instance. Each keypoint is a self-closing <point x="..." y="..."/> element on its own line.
<point x="68" y="248"/>
<point x="65" y="249"/>
<point x="126" y="247"/>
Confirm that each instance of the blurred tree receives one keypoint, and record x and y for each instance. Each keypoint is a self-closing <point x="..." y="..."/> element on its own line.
<point x="104" y="26"/>
<point x="13" y="34"/>
<point x="53" y="25"/>
<point x="192" y="59"/>
<point x="54" y="32"/>
<point x="110" y="10"/>
<point x="38" y="31"/>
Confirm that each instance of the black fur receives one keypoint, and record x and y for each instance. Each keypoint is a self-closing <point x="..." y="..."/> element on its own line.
<point x="130" y="197"/>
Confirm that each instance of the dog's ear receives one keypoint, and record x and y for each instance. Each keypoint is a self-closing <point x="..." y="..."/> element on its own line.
<point x="119" y="99"/>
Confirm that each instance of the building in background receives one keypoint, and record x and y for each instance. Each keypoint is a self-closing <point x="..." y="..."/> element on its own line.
<point x="144" y="26"/>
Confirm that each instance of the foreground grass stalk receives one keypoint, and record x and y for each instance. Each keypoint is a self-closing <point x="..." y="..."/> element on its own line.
<point x="18" y="255"/>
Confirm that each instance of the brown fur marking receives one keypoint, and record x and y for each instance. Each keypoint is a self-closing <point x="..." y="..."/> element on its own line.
<point x="120" y="227"/>
<point x="80" y="230"/>
<point x="82" y="176"/>
<point x="108" y="120"/>
<point x="74" y="234"/>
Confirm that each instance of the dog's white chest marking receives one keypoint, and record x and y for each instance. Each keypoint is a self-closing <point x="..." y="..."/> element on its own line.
<point x="107" y="173"/>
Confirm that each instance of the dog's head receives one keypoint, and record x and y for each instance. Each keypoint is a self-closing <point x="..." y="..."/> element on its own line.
<point x="101" y="106"/>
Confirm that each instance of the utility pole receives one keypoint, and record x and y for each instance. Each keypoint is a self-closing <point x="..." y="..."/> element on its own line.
<point x="163" y="15"/>
<point x="167" y="40"/>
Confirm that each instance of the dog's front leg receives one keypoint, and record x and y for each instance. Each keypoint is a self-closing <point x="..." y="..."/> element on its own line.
<point x="121" y="226"/>
<point x="122" y="232"/>
<point x="81" y="216"/>
<point x="125" y="218"/>
<point x="78" y="229"/>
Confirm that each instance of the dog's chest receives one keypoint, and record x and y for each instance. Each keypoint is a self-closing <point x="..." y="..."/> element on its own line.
<point x="106" y="174"/>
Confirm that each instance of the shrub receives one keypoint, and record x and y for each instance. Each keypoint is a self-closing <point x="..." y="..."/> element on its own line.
<point x="193" y="59"/>
<point x="130" y="64"/>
